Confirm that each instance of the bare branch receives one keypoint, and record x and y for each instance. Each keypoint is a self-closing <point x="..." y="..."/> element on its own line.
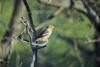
<point x="56" y="13"/>
<point x="83" y="49"/>
<point x="30" y="16"/>
<point x="10" y="29"/>
<point x="5" y="45"/>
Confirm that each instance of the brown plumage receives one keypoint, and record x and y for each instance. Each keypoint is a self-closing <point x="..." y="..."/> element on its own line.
<point x="45" y="34"/>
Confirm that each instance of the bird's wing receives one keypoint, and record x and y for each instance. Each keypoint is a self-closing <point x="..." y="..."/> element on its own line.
<point x="45" y="33"/>
<point x="42" y="33"/>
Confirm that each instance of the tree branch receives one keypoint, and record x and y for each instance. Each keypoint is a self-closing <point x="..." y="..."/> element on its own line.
<point x="90" y="54"/>
<point x="30" y="16"/>
<point x="5" y="45"/>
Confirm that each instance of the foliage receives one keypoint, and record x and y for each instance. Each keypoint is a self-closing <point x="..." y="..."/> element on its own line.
<point x="58" y="53"/>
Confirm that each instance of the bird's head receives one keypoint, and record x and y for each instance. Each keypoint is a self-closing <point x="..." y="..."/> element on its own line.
<point x="50" y="26"/>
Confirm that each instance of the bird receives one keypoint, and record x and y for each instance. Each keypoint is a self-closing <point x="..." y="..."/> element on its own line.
<point x="45" y="34"/>
<point x="42" y="34"/>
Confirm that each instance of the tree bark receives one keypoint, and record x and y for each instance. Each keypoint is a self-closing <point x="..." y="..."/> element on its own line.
<point x="97" y="48"/>
<point x="5" y="43"/>
<point x="94" y="17"/>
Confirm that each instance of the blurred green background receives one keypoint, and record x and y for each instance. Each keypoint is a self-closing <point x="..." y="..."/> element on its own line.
<point x="62" y="49"/>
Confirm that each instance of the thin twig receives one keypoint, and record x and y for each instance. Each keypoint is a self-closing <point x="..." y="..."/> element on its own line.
<point x="34" y="31"/>
<point x="30" y="16"/>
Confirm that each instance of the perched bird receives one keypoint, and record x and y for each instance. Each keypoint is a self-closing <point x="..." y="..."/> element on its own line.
<point x="45" y="34"/>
